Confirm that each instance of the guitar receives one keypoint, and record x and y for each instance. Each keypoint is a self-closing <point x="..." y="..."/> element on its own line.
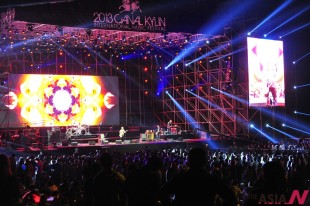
<point x="122" y="132"/>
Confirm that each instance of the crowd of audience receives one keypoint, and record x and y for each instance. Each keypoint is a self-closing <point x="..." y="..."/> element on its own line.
<point x="174" y="176"/>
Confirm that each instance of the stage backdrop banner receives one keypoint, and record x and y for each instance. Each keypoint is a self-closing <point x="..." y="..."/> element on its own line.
<point x="62" y="100"/>
<point x="127" y="15"/>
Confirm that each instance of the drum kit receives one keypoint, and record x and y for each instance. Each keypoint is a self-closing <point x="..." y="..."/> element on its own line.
<point x="76" y="131"/>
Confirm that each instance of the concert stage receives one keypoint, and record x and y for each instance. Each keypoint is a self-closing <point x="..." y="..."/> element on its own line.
<point x="126" y="146"/>
<point x="65" y="140"/>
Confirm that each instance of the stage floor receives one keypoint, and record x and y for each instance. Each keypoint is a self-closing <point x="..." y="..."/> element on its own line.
<point x="86" y="148"/>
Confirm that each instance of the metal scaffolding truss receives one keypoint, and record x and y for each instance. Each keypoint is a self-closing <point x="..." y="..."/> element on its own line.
<point x="45" y="35"/>
<point x="47" y="49"/>
<point x="190" y="84"/>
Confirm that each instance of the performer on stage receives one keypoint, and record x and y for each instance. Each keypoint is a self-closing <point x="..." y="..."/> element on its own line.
<point x="122" y="133"/>
<point x="158" y="132"/>
<point x="169" y="125"/>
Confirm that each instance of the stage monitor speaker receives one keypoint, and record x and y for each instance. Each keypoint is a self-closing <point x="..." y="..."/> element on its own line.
<point x="143" y="136"/>
<point x="169" y="139"/>
<point x="104" y="142"/>
<point x="74" y="143"/>
<point x="180" y="139"/>
<point x="127" y="141"/>
<point x="135" y="141"/>
<point x="65" y="143"/>
<point x="91" y="142"/>
<point x="118" y="141"/>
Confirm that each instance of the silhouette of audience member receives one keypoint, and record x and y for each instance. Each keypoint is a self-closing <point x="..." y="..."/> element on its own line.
<point x="273" y="183"/>
<point x="107" y="185"/>
<point x="143" y="185"/>
<point x="9" y="192"/>
<point x="196" y="186"/>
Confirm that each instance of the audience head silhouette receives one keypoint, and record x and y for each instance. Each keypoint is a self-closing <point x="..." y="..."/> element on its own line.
<point x="5" y="169"/>
<point x="106" y="161"/>
<point x="197" y="158"/>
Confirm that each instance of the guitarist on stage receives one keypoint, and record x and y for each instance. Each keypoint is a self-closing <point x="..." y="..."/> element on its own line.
<point x="122" y="133"/>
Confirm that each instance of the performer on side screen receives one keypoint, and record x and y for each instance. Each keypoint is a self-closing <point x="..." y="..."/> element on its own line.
<point x="271" y="88"/>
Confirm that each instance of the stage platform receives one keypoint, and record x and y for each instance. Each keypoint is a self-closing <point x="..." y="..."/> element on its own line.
<point x="122" y="147"/>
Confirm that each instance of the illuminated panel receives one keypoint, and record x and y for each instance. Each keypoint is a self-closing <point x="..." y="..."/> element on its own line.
<point x="266" y="72"/>
<point x="62" y="100"/>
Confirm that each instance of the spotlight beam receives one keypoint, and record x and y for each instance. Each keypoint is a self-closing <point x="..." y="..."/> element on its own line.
<point x="274" y="114"/>
<point x="288" y="20"/>
<point x="100" y="56"/>
<point x="73" y="57"/>
<point x="231" y="96"/>
<point x="304" y="85"/>
<point x="294" y="30"/>
<point x="297" y="129"/>
<point x="301" y="57"/>
<point x="236" y="51"/>
<point x="186" y="51"/>
<point x="161" y="49"/>
<point x="285" y="4"/>
<point x="192" y="121"/>
<point x="187" y="116"/>
<point x="282" y="132"/>
<point x="265" y="135"/>
<point x="296" y="112"/>
<point x="207" y="103"/>
<point x="227" y="113"/>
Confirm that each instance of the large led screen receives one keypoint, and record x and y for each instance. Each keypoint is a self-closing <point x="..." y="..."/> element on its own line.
<point x="62" y="100"/>
<point x="266" y="72"/>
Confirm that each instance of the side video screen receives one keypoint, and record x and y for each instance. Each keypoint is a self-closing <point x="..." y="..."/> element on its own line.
<point x="61" y="100"/>
<point x="266" y="72"/>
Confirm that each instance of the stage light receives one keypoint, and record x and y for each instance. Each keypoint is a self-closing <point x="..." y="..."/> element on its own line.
<point x="249" y="33"/>
<point x="302" y="113"/>
<point x="295" y="112"/>
<point x="284" y="133"/>
<point x="60" y="29"/>
<point x="300" y="130"/>
<point x="295" y="87"/>
<point x="294" y="62"/>
<point x="290" y="19"/>
<point x="251" y="125"/>
<point x="280" y="37"/>
<point x="283" y="125"/>
<point x="297" y="29"/>
<point x="30" y="27"/>
<point x="304" y="85"/>
<point x="265" y="135"/>
<point x="267" y="125"/>
<point x="166" y="68"/>
<point x="265" y="35"/>
<point x="278" y="10"/>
